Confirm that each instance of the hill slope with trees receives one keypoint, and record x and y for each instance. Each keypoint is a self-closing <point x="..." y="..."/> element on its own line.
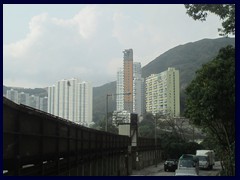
<point x="186" y="58"/>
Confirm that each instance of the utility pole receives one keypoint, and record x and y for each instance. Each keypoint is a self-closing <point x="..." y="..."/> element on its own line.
<point x="155" y="137"/>
<point x="106" y="125"/>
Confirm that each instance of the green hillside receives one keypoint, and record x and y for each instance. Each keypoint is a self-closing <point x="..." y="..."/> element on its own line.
<point x="187" y="58"/>
<point x="99" y="100"/>
<point x="41" y="92"/>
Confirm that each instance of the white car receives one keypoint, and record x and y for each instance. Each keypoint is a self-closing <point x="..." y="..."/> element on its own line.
<point x="186" y="172"/>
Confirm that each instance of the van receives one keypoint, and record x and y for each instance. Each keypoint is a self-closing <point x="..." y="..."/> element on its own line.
<point x="189" y="161"/>
<point x="206" y="158"/>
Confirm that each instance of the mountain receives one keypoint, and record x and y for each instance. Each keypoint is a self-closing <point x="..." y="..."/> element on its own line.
<point x="100" y="98"/>
<point x="41" y="92"/>
<point x="186" y="58"/>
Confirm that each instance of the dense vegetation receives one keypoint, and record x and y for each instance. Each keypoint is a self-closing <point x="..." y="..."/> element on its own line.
<point x="210" y="100"/>
<point x="176" y="135"/>
<point x="187" y="58"/>
<point x="211" y="103"/>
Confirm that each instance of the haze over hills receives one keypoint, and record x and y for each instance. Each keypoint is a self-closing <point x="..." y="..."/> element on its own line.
<point x="186" y="58"/>
<point x="41" y="92"/>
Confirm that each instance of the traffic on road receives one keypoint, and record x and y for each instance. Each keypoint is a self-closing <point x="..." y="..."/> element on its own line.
<point x="159" y="171"/>
<point x="201" y="164"/>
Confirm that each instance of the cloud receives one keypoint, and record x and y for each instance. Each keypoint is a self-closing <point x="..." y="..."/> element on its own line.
<point x="53" y="48"/>
<point x="89" y="44"/>
<point x="85" y="21"/>
<point x="20" y="48"/>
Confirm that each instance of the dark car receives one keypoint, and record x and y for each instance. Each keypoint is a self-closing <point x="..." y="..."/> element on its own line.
<point x="170" y="165"/>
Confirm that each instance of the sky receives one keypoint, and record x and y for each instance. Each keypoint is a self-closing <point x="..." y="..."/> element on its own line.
<point x="43" y="44"/>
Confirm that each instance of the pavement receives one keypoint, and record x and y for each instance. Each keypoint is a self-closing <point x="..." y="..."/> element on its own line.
<point x="159" y="171"/>
<point x="148" y="170"/>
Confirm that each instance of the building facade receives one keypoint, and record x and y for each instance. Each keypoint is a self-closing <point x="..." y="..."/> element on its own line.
<point x="28" y="100"/>
<point x="120" y="91"/>
<point x="23" y="98"/>
<point x="12" y="95"/>
<point x="128" y="79"/>
<point x="138" y="89"/>
<point x="51" y="98"/>
<point x="43" y="104"/>
<point x="163" y="93"/>
<point x="71" y="99"/>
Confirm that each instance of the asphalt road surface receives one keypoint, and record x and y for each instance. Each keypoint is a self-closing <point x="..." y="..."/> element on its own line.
<point x="159" y="171"/>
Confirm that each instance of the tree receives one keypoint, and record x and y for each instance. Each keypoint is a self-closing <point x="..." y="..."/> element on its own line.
<point x="146" y="126"/>
<point x="101" y="125"/>
<point x="210" y="102"/>
<point x="226" y="12"/>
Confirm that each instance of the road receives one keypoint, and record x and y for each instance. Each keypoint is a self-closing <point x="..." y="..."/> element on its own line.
<point x="159" y="171"/>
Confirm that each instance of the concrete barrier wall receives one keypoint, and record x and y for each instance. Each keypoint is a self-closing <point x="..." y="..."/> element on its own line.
<point x="142" y="159"/>
<point x="38" y="143"/>
<point x="106" y="166"/>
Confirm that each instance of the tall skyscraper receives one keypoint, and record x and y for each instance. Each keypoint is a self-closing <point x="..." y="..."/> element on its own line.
<point x="43" y="104"/>
<point x="137" y="70"/>
<point x="163" y="93"/>
<point x="12" y="95"/>
<point x="71" y="99"/>
<point x="34" y="101"/>
<point x="120" y="91"/>
<point x="138" y="89"/>
<point x="84" y="103"/>
<point x="23" y="98"/>
<point x="51" y="99"/>
<point x="128" y="79"/>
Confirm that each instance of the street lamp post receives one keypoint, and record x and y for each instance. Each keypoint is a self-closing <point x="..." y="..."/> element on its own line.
<point x="106" y="125"/>
<point x="155" y="137"/>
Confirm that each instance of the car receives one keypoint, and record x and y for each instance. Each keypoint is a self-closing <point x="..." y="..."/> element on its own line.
<point x="186" y="172"/>
<point x="170" y="165"/>
<point x="189" y="161"/>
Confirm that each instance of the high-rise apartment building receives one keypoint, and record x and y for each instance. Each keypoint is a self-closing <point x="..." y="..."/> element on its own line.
<point x="12" y="95"/>
<point x="128" y="79"/>
<point x="51" y="99"/>
<point x="71" y="99"/>
<point x="23" y="98"/>
<point x="138" y="96"/>
<point x="138" y="89"/>
<point x="163" y="93"/>
<point x="34" y="101"/>
<point x="84" y="103"/>
<point x="120" y="91"/>
<point x="137" y="70"/>
<point x="43" y="104"/>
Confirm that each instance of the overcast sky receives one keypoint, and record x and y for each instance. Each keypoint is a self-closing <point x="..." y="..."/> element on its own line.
<point x="46" y="43"/>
